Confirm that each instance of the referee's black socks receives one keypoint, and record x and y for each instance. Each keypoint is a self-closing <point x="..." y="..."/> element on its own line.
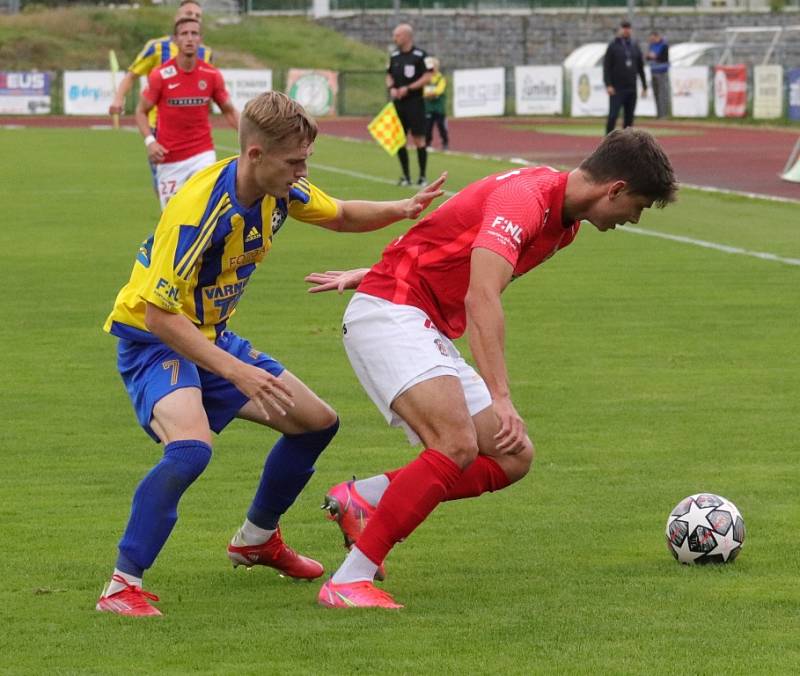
<point x="402" y="155"/>
<point x="422" y="157"/>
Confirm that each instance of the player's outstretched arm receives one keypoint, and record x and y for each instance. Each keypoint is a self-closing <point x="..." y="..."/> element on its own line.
<point x="363" y="216"/>
<point x="336" y="279"/>
<point x="125" y="85"/>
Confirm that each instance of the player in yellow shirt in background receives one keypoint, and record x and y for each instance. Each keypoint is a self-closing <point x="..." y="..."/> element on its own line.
<point x="156" y="52"/>
<point x="436" y="106"/>
<point x="188" y="374"/>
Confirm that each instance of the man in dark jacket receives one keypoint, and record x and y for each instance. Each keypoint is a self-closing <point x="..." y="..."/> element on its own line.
<point x="622" y="63"/>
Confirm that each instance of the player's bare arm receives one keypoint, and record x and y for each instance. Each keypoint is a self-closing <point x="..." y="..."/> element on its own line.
<point x="230" y="114"/>
<point x="155" y="151"/>
<point x="364" y="216"/>
<point x="335" y="279"/>
<point x="490" y="273"/>
<point x="178" y="332"/>
<point x="125" y="85"/>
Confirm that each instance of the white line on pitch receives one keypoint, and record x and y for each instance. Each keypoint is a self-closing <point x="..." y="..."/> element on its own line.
<point x="724" y="248"/>
<point x="713" y="245"/>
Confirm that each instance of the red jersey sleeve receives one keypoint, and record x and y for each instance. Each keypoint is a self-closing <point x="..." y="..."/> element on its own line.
<point x="512" y="217"/>
<point x="154" y="83"/>
<point x="220" y="95"/>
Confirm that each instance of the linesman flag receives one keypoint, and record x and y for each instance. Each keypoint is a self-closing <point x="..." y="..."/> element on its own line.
<point x="387" y="129"/>
<point x="114" y="64"/>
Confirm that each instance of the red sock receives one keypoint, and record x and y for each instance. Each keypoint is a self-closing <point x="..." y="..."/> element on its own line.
<point x="482" y="475"/>
<point x="411" y="496"/>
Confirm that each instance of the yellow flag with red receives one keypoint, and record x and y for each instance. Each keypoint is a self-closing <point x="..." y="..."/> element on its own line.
<point x="387" y="129"/>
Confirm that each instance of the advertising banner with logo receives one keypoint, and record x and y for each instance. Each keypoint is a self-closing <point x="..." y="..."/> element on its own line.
<point x="767" y="92"/>
<point x="315" y="90"/>
<point x="539" y="90"/>
<point x="690" y="91"/>
<point x="87" y="92"/>
<point x="479" y="91"/>
<point x="243" y="84"/>
<point x="730" y="91"/>
<point x="589" y="95"/>
<point x="793" y="77"/>
<point x="24" y="93"/>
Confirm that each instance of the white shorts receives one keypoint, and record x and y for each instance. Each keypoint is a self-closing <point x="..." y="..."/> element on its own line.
<point x="393" y="347"/>
<point x="170" y="176"/>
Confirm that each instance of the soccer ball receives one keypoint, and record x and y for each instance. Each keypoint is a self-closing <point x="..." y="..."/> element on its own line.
<point x="705" y="528"/>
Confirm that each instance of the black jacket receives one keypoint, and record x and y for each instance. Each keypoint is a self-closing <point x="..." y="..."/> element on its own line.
<point x="622" y="62"/>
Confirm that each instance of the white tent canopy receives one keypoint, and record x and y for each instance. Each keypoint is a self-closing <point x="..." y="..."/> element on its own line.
<point x="588" y="55"/>
<point x="694" y="53"/>
<point x="681" y="54"/>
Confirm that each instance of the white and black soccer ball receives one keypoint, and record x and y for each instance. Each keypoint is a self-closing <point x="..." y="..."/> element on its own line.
<point x="705" y="528"/>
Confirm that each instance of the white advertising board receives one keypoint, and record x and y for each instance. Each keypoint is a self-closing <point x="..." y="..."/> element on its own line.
<point x="767" y="92"/>
<point x="479" y="92"/>
<point x="24" y="93"/>
<point x="539" y="90"/>
<point x="589" y="95"/>
<point x="244" y="84"/>
<point x="690" y="91"/>
<point x="87" y="92"/>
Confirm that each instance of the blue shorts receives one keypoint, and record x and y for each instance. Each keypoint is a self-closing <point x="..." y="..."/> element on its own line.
<point x="151" y="371"/>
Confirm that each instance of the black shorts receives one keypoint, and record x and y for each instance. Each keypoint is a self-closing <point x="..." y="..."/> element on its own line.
<point x="412" y="115"/>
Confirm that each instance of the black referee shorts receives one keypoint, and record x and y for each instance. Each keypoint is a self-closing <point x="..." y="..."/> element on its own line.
<point x="412" y="115"/>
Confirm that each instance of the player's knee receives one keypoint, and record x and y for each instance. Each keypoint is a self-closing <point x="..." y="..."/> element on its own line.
<point x="525" y="458"/>
<point x="325" y="419"/>
<point x="517" y="466"/>
<point x="329" y="418"/>
<point x="189" y="458"/>
<point x="462" y="449"/>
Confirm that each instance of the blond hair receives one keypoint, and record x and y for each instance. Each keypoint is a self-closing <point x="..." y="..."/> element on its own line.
<point x="275" y="119"/>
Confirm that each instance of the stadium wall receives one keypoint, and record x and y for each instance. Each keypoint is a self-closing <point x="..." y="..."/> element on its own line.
<point x="463" y="40"/>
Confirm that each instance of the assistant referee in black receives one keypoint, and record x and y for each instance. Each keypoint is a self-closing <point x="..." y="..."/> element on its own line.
<point x="410" y="69"/>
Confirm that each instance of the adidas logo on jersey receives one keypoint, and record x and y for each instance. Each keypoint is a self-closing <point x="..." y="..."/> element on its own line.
<point x="253" y="235"/>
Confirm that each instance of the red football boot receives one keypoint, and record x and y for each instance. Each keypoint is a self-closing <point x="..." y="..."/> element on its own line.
<point x="276" y="554"/>
<point x="131" y="601"/>
<point x="355" y="595"/>
<point x="348" y="509"/>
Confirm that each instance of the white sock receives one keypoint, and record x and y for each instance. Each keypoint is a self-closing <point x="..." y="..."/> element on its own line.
<point x="114" y="586"/>
<point x="356" y="568"/>
<point x="250" y="534"/>
<point x="372" y="489"/>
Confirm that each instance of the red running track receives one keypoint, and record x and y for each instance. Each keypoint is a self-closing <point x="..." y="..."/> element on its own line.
<point x="746" y="159"/>
<point x="728" y="157"/>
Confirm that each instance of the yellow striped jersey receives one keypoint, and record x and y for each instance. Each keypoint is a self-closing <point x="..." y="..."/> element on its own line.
<point x="157" y="52"/>
<point x="204" y="250"/>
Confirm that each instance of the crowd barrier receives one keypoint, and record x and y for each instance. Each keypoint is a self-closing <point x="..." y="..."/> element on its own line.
<point x="765" y="92"/>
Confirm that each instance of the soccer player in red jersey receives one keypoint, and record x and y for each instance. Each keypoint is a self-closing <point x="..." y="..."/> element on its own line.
<point x="443" y="277"/>
<point x="182" y="88"/>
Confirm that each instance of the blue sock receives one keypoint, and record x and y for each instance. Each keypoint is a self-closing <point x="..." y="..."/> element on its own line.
<point x="287" y="470"/>
<point x="155" y="504"/>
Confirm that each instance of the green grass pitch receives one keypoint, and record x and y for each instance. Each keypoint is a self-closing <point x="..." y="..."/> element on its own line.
<point x="647" y="369"/>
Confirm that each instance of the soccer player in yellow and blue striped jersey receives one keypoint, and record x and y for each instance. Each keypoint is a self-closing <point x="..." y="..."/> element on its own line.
<point x="155" y="53"/>
<point x="187" y="374"/>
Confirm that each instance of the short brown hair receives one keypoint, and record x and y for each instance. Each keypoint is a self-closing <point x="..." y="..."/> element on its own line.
<point x="183" y="20"/>
<point x="277" y="119"/>
<point x="633" y="156"/>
